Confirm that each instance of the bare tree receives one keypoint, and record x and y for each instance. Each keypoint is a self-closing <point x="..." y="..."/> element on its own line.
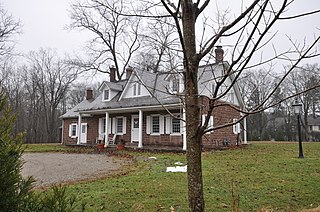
<point x="51" y="78"/>
<point x="302" y="79"/>
<point x="8" y="29"/>
<point x="250" y="32"/>
<point x="115" y="38"/>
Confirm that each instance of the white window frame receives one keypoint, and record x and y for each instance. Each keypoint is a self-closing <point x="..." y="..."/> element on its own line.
<point x="71" y="130"/>
<point x="136" y="89"/>
<point x="210" y="123"/>
<point x="124" y="125"/>
<point x="236" y="127"/>
<point x="104" y="95"/>
<point x="170" y="122"/>
<point x="151" y="124"/>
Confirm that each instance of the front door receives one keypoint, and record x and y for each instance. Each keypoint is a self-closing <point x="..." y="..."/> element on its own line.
<point x="83" y="134"/>
<point x="135" y="128"/>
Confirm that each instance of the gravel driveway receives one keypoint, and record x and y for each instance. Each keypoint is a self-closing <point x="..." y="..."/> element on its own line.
<point x="53" y="168"/>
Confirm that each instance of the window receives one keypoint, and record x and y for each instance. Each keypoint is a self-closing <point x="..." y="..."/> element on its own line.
<point x="136" y="89"/>
<point x="212" y="88"/>
<point x="175" y="85"/>
<point x="155" y="124"/>
<point x="73" y="130"/>
<point x="236" y="126"/>
<point x="175" y="124"/>
<point x="119" y="125"/>
<point x="210" y="123"/>
<point x="106" y="94"/>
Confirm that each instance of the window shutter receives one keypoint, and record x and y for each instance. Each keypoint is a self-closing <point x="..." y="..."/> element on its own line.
<point x="113" y="125"/>
<point x="168" y="124"/>
<point x="70" y="129"/>
<point x="203" y="118"/>
<point x="148" y="125"/>
<point x="100" y="128"/>
<point x="211" y="122"/>
<point x="238" y="128"/>
<point x="181" y="126"/>
<point x="124" y="127"/>
<point x="77" y="130"/>
<point x="234" y="126"/>
<point x="161" y="119"/>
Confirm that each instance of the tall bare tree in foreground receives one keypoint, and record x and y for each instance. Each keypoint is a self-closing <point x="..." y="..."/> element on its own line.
<point x="250" y="32"/>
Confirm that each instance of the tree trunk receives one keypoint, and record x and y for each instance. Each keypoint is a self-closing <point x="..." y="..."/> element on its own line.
<point x="191" y="63"/>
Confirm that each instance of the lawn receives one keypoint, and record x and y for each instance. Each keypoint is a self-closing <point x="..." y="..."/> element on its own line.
<point x="261" y="175"/>
<point x="55" y="147"/>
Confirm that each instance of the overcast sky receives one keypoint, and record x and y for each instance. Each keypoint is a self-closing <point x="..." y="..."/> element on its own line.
<point x="44" y="22"/>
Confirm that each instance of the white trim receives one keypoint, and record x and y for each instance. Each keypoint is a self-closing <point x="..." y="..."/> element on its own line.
<point x="124" y="125"/>
<point x="140" y="128"/>
<point x="160" y="126"/>
<point x="106" y="131"/>
<point x="103" y="95"/>
<point x="245" y="141"/>
<point x="168" y="124"/>
<point x="161" y="119"/>
<point x="70" y="130"/>
<point x="148" y="125"/>
<point x="184" y="132"/>
<point x="79" y="129"/>
<point x="236" y="126"/>
<point x="210" y="123"/>
<point x="113" y="125"/>
<point x="130" y="109"/>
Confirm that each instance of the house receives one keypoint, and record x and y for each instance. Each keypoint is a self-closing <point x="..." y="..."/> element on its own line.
<point x="313" y="128"/>
<point x="146" y="109"/>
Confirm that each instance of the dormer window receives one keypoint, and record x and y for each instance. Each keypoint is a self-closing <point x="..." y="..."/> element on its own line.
<point x="106" y="95"/>
<point x="136" y="89"/>
<point x="174" y="83"/>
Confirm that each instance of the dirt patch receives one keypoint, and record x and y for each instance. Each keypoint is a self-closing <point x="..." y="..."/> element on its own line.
<point x="55" y="168"/>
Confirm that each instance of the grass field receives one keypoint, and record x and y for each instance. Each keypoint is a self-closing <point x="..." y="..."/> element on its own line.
<point x="261" y="175"/>
<point x="55" y="147"/>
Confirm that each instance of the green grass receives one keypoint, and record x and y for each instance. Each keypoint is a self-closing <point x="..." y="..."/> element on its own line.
<point x="262" y="175"/>
<point x="56" y="147"/>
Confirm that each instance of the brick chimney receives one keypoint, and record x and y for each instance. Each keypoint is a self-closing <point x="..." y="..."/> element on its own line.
<point x="112" y="74"/>
<point x="89" y="93"/>
<point x="219" y="54"/>
<point x="129" y="71"/>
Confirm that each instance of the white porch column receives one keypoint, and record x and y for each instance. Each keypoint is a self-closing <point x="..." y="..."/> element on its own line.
<point x="184" y="132"/>
<point x="79" y="129"/>
<point x="140" y="128"/>
<point x="106" y="134"/>
<point x="245" y="141"/>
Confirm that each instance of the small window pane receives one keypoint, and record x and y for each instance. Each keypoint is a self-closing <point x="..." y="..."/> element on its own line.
<point x="119" y="125"/>
<point x="175" y="125"/>
<point x="139" y="89"/>
<point x="175" y="85"/>
<point x="73" y="130"/>
<point x="155" y="124"/>
<point x="134" y="89"/>
<point x="106" y="95"/>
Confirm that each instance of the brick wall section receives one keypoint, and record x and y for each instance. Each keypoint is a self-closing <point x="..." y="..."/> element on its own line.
<point x="66" y="138"/>
<point x="222" y="114"/>
<point x="92" y="129"/>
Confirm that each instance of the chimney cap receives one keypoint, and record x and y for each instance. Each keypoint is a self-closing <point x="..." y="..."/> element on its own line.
<point x="219" y="54"/>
